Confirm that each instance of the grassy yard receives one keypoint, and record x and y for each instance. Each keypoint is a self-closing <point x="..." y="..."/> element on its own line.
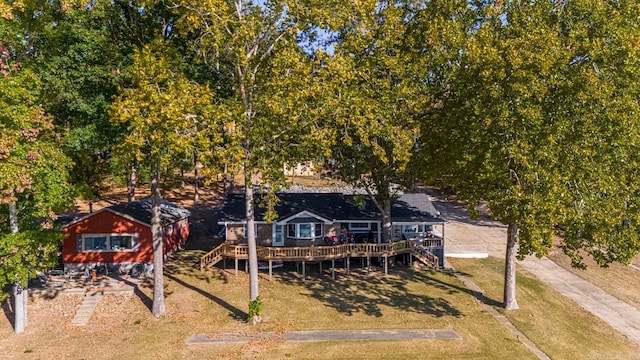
<point x="216" y="301"/>
<point x="560" y="327"/>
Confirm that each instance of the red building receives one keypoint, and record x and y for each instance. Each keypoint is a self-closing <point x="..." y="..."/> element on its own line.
<point x="120" y="235"/>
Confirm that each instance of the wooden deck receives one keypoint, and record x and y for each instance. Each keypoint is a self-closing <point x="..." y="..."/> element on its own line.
<point x="322" y="253"/>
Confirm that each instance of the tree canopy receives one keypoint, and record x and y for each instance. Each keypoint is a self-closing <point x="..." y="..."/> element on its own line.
<point x="533" y="119"/>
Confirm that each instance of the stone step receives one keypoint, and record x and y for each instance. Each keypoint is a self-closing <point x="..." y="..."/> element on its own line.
<point x="84" y="312"/>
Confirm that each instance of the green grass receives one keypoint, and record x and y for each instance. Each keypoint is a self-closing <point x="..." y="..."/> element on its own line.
<point x="217" y="301"/>
<point x="557" y="325"/>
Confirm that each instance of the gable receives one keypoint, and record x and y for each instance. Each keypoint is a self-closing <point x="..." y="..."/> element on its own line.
<point x="105" y="221"/>
<point x="304" y="217"/>
<point x="140" y="211"/>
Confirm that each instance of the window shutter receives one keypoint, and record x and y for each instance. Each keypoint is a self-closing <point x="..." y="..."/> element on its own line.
<point x="79" y="243"/>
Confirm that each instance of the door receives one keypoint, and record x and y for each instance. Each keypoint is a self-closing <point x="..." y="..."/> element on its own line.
<point x="278" y="235"/>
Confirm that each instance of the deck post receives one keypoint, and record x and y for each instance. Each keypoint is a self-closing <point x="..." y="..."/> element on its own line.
<point x="368" y="264"/>
<point x="246" y="266"/>
<point x="410" y="259"/>
<point x="386" y="265"/>
<point x="304" y="270"/>
<point x="320" y="267"/>
<point x="270" y="268"/>
<point x="348" y="264"/>
<point x="333" y="269"/>
<point x="236" y="266"/>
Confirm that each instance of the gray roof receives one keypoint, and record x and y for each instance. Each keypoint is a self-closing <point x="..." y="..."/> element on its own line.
<point x="141" y="210"/>
<point x="335" y="206"/>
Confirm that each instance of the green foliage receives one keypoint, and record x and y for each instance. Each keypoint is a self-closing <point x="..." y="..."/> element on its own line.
<point x="371" y="107"/>
<point x="25" y="252"/>
<point x="534" y="114"/>
<point x="164" y="112"/>
<point x="255" y="310"/>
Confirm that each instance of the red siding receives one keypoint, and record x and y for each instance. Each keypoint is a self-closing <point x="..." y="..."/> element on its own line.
<point x="107" y="222"/>
<point x="174" y="240"/>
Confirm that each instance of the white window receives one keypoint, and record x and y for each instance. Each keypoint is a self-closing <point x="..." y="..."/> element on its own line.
<point x="305" y="230"/>
<point x="410" y="228"/>
<point x="109" y="242"/>
<point x="244" y="230"/>
<point x="360" y="226"/>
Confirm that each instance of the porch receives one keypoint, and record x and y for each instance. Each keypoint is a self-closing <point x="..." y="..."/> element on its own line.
<point x="420" y="249"/>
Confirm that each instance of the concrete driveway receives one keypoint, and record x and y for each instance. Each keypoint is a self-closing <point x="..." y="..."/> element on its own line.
<point x="466" y="238"/>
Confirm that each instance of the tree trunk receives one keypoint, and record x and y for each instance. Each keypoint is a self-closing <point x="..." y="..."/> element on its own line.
<point x="387" y="226"/>
<point x="156" y="233"/>
<point x="509" y="301"/>
<point x="13" y="215"/>
<point x="224" y="181"/>
<point x="251" y="241"/>
<point x="19" y="294"/>
<point x="19" y="310"/>
<point x="196" y="186"/>
<point x="131" y="184"/>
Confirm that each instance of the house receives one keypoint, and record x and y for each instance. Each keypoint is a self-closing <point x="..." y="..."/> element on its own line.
<point x="317" y="219"/>
<point x="120" y="235"/>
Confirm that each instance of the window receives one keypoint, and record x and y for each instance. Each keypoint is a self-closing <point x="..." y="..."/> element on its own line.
<point x="122" y="242"/>
<point x="410" y="228"/>
<point x="305" y="230"/>
<point x="360" y="226"/>
<point x="109" y="242"/>
<point x="244" y="230"/>
<point x="95" y="243"/>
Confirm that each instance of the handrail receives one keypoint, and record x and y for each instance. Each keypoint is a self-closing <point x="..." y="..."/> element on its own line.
<point x="317" y="253"/>
<point x="213" y="256"/>
<point x="426" y="256"/>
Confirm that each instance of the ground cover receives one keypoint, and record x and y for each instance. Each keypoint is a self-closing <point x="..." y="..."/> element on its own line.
<point x="215" y="302"/>
<point x="557" y="325"/>
<point x="620" y="281"/>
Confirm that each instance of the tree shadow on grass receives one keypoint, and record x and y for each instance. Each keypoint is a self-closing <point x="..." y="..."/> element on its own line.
<point x="368" y="294"/>
<point x="187" y="263"/>
<point x="234" y="312"/>
<point x="365" y="293"/>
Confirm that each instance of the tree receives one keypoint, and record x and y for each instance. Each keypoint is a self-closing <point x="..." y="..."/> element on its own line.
<point x="33" y="181"/>
<point x="251" y="50"/>
<point x="535" y="115"/>
<point x="160" y="111"/>
<point x="372" y="105"/>
<point x="83" y="54"/>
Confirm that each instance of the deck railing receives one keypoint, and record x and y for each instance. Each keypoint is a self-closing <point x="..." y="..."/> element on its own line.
<point x="426" y="256"/>
<point x="320" y="253"/>
<point x="213" y="256"/>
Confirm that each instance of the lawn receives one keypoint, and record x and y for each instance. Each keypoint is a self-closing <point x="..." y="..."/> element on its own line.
<point x="215" y="302"/>
<point x="557" y="325"/>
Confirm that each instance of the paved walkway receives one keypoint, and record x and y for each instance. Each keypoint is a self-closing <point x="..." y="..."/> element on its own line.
<point x="620" y="315"/>
<point x="327" y="335"/>
<point x="492" y="235"/>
